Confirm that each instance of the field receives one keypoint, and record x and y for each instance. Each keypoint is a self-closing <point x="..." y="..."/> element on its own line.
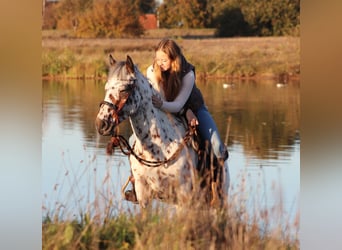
<point x="271" y="57"/>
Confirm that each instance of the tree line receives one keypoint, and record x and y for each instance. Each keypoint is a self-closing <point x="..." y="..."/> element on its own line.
<point x="120" y="18"/>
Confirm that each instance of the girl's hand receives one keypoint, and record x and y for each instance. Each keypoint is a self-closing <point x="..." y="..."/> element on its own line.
<point x="192" y="119"/>
<point x="157" y="101"/>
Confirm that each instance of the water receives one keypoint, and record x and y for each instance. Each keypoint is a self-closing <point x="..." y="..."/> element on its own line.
<point x="263" y="141"/>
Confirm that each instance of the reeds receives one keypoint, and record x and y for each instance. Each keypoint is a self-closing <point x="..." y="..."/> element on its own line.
<point x="219" y="57"/>
<point x="104" y="221"/>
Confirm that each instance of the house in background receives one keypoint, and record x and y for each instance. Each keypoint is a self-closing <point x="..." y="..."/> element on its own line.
<point x="149" y="21"/>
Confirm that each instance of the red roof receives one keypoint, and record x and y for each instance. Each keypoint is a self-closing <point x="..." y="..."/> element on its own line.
<point x="148" y="21"/>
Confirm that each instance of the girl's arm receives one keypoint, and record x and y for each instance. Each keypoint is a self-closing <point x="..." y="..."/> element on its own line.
<point x="179" y="102"/>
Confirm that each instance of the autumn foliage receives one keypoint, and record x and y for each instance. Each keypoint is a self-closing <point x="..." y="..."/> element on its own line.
<point x="120" y="18"/>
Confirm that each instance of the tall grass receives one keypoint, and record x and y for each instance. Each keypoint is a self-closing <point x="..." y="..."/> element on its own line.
<point x="109" y="226"/>
<point x="96" y="218"/>
<point x="219" y="57"/>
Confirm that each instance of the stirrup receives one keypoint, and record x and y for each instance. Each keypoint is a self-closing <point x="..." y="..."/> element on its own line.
<point x="129" y="195"/>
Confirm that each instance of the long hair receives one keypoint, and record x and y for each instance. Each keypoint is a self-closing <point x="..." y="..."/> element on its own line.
<point x="170" y="81"/>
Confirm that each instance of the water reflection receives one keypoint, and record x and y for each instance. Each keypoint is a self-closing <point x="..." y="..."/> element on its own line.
<point x="263" y="141"/>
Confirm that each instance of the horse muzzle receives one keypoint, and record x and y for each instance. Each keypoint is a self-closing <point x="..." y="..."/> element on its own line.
<point x="104" y="127"/>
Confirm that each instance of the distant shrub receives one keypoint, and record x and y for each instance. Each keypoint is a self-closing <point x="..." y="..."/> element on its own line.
<point x="55" y="63"/>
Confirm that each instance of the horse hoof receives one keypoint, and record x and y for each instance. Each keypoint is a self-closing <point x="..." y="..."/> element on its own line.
<point x="130" y="196"/>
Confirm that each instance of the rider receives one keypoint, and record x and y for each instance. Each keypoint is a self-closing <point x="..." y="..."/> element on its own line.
<point x="175" y="78"/>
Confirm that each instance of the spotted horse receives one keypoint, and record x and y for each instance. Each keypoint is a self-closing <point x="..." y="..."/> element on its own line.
<point x="161" y="156"/>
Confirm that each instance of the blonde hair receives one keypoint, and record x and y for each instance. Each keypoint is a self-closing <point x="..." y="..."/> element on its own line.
<point x="170" y="81"/>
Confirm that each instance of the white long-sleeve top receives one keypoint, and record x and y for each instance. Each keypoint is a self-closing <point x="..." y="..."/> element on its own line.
<point x="176" y="105"/>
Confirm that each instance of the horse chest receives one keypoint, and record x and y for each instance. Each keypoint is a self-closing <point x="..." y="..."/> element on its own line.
<point x="161" y="177"/>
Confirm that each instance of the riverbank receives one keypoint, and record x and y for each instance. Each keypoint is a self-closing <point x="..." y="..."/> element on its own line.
<point x="254" y="57"/>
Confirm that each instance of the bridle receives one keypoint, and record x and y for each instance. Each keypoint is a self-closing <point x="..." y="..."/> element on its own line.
<point x="117" y="105"/>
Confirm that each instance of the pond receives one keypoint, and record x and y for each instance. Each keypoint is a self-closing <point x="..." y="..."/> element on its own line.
<point x="263" y="139"/>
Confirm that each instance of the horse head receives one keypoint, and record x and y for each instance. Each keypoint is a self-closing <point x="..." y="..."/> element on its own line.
<point x="120" y="100"/>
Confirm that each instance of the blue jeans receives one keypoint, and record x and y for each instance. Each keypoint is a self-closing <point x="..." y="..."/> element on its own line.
<point x="208" y="131"/>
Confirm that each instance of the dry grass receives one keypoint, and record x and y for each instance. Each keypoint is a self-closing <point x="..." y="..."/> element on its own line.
<point x="163" y="227"/>
<point x="219" y="57"/>
<point x="103" y="223"/>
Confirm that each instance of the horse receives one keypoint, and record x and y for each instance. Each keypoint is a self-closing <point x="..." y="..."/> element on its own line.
<point x="163" y="162"/>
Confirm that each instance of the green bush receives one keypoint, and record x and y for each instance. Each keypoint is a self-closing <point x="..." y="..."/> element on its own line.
<point x="55" y="63"/>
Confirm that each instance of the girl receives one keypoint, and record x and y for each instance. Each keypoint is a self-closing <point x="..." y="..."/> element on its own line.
<point x="174" y="77"/>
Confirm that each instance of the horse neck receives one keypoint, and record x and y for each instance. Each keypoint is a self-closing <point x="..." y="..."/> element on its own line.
<point x="152" y="127"/>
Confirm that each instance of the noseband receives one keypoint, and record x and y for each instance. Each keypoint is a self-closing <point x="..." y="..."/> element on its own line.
<point x="117" y="105"/>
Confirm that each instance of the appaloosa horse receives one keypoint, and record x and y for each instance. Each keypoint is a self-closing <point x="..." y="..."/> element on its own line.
<point x="162" y="161"/>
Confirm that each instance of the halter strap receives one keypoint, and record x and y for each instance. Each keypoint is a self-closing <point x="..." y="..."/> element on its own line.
<point x="117" y="105"/>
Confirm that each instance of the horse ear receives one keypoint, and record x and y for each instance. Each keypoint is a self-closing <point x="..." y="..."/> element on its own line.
<point x="129" y="64"/>
<point x="111" y="60"/>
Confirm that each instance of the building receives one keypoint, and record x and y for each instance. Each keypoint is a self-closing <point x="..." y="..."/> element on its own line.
<point x="149" y="21"/>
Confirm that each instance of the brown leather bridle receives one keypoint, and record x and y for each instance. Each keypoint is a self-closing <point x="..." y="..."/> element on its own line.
<point x="117" y="105"/>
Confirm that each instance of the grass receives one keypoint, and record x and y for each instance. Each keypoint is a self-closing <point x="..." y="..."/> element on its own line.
<point x="271" y="57"/>
<point x="160" y="227"/>
<point x="102" y="222"/>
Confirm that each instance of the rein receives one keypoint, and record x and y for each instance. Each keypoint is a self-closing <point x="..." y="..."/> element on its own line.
<point x="119" y="140"/>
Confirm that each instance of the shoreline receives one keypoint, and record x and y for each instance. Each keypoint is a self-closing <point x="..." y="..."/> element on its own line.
<point x="283" y="78"/>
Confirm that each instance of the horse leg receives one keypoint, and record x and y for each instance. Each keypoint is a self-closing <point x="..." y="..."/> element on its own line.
<point x="187" y="185"/>
<point x="143" y="192"/>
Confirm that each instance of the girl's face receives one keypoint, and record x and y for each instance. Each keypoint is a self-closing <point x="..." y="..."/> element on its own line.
<point x="163" y="60"/>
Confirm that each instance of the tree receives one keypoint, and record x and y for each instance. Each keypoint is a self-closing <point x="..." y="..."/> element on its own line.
<point x="50" y="17"/>
<point x="111" y="18"/>
<point x="184" y="13"/>
<point x="230" y="22"/>
<point x="275" y="17"/>
<point x="69" y="12"/>
<point x="147" y="6"/>
<point x="256" y="17"/>
<point x="166" y="19"/>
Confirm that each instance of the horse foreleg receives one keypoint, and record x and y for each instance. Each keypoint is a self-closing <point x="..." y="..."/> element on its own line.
<point x="143" y="192"/>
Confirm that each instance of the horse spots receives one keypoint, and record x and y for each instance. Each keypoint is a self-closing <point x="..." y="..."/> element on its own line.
<point x="153" y="179"/>
<point x="139" y="130"/>
<point x="155" y="136"/>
